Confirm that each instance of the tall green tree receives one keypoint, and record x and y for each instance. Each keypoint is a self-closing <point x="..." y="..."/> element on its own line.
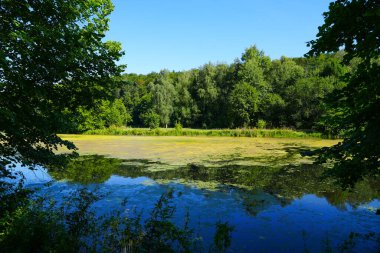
<point x="104" y="113"/>
<point x="354" y="26"/>
<point x="52" y="58"/>
<point x="206" y="94"/>
<point x="225" y="80"/>
<point x="284" y="73"/>
<point x="253" y="53"/>
<point x="305" y="99"/>
<point x="185" y="109"/>
<point x="243" y="104"/>
<point x="253" y="69"/>
<point x="163" y="95"/>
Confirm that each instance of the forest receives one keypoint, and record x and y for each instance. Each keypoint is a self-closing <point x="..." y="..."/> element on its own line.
<point x="253" y="91"/>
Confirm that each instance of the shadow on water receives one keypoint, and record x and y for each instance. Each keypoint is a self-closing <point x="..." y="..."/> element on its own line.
<point x="289" y="154"/>
<point x="283" y="183"/>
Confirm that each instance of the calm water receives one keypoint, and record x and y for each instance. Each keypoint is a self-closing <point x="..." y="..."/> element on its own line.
<point x="272" y="209"/>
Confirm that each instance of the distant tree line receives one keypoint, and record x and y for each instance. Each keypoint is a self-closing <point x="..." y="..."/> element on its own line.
<point x="254" y="91"/>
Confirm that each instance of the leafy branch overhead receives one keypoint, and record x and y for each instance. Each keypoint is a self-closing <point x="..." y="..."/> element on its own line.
<point x="354" y="109"/>
<point x="53" y="58"/>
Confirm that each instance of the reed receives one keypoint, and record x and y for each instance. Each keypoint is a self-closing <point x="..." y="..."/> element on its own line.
<point x="254" y="132"/>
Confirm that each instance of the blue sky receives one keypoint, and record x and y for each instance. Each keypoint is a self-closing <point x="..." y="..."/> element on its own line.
<point x="184" y="34"/>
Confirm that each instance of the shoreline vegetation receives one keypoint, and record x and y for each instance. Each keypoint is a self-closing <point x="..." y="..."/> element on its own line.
<point x="240" y="132"/>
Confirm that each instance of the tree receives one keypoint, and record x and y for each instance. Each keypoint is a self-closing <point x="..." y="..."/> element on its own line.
<point x="52" y="58"/>
<point x="243" y="103"/>
<point x="273" y="110"/>
<point x="206" y="94"/>
<point x="104" y="113"/>
<point x="354" y="26"/>
<point x="163" y="95"/>
<point x="283" y="73"/>
<point x="185" y="109"/>
<point x="253" y="53"/>
<point x="135" y="95"/>
<point x="305" y="101"/>
<point x="253" y="69"/>
<point x="115" y="113"/>
<point x="150" y="119"/>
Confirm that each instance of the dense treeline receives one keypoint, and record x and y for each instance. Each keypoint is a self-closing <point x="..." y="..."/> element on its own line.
<point x="254" y="91"/>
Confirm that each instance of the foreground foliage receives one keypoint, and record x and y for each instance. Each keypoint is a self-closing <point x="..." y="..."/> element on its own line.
<point x="40" y="224"/>
<point x="355" y="109"/>
<point x="53" y="59"/>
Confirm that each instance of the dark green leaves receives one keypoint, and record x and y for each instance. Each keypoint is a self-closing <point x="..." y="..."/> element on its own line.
<point x="355" y="109"/>
<point x="52" y="58"/>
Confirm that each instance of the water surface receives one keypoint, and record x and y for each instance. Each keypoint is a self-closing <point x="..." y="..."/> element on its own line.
<point x="276" y="200"/>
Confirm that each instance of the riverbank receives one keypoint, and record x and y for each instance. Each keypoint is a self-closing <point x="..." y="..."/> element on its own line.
<point x="266" y="133"/>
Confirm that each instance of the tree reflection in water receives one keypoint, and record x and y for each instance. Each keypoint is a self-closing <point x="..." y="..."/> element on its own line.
<point x="261" y="185"/>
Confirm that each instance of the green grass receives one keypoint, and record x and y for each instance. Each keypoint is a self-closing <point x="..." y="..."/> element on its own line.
<point x="274" y="133"/>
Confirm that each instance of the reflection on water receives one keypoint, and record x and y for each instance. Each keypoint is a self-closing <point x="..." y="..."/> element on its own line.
<point x="290" y="208"/>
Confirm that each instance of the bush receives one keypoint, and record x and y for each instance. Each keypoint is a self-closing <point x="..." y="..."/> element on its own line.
<point x="178" y="127"/>
<point x="151" y="119"/>
<point x="261" y="124"/>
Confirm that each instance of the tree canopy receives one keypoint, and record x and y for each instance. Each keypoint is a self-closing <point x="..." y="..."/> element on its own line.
<point x="355" y="109"/>
<point x="288" y="92"/>
<point x="52" y="58"/>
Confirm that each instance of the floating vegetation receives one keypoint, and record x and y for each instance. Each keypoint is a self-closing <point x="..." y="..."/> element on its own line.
<point x="286" y="183"/>
<point x="254" y="183"/>
<point x="180" y="150"/>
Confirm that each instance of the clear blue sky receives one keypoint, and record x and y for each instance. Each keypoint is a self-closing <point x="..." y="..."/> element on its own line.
<point x="184" y="34"/>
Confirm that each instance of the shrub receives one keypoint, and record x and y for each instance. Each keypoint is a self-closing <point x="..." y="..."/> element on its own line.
<point x="151" y="119"/>
<point x="261" y="124"/>
<point x="178" y="127"/>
